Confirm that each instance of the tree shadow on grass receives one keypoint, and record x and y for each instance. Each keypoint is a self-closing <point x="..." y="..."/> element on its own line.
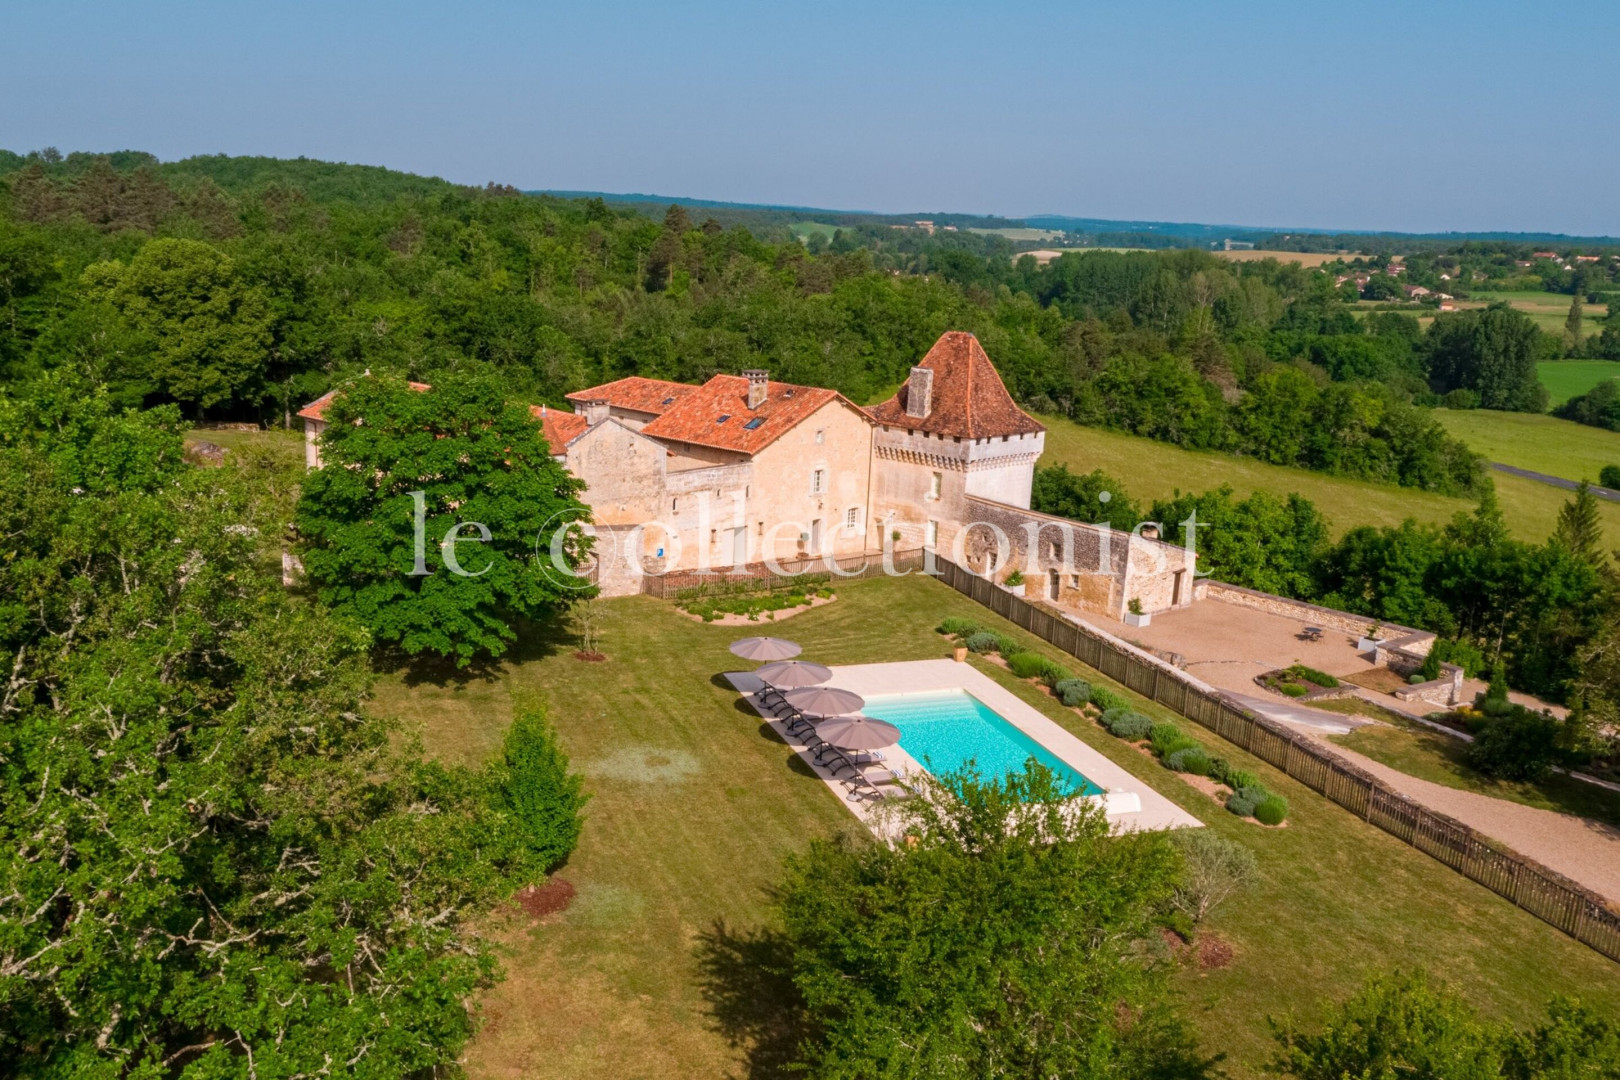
<point x="535" y="641"/>
<point x="747" y="983"/>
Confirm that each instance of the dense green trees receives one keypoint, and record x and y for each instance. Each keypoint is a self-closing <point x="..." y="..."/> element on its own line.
<point x="1492" y="352"/>
<point x="1004" y="936"/>
<point x="433" y="521"/>
<point x="217" y="862"/>
<point x="1407" y="1025"/>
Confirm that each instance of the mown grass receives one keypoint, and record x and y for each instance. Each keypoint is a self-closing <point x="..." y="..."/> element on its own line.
<point x="1565" y="379"/>
<point x="1154" y="470"/>
<point x="1430" y="755"/>
<point x="1544" y="444"/>
<point x="656" y="971"/>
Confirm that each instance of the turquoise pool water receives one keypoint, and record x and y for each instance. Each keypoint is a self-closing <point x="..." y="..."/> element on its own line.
<point x="945" y="730"/>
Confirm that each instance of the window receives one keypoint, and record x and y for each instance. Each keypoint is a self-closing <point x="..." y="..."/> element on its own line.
<point x="669" y="401"/>
<point x="933" y="534"/>
<point x="852" y="519"/>
<point x="754" y="423"/>
<point x="722" y="418"/>
<point x="934" y="484"/>
<point x="821" y="436"/>
<point x="818" y="481"/>
<point x="674" y="504"/>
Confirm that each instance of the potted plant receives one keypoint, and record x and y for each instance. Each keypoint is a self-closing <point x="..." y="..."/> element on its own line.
<point x="1014" y="583"/>
<point x="1369" y="641"/>
<point x="1134" y="615"/>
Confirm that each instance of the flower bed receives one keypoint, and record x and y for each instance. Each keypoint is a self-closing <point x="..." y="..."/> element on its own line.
<point x="738" y="601"/>
<point x="1298" y="681"/>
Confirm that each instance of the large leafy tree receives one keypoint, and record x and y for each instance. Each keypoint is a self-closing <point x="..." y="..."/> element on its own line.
<point x="206" y="331"/>
<point x="1492" y="352"/>
<point x="457" y="457"/>
<point x="213" y="861"/>
<point x="1000" y="936"/>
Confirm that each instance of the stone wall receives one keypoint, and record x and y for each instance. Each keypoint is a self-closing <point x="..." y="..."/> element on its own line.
<point x="1307" y="614"/>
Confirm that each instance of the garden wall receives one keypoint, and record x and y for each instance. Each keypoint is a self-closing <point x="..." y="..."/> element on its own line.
<point x="1550" y="896"/>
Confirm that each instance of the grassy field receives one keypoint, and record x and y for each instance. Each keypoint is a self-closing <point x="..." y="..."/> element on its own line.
<point x="1543" y="444"/>
<point x="1021" y="236"/>
<point x="1307" y="259"/>
<point x="655" y="968"/>
<point x="1565" y="379"/>
<point x="1430" y="755"/>
<point x="806" y="229"/>
<point x="1549" y="310"/>
<point x="1152" y="470"/>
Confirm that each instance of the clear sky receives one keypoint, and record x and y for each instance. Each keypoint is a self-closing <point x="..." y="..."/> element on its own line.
<point x="1411" y="116"/>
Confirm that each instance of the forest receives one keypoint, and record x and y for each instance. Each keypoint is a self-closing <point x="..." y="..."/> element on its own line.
<point x="239" y="288"/>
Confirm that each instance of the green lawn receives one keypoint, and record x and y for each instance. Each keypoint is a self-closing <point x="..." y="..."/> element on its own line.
<point x="1549" y="310"/>
<point x="1565" y="379"/>
<point x="654" y="970"/>
<point x="1152" y="470"/>
<point x="1543" y="444"/>
<point x="1430" y="755"/>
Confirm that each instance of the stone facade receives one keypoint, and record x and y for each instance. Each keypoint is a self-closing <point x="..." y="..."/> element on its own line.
<point x="742" y="470"/>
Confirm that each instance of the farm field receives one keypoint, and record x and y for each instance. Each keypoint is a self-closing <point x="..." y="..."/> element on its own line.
<point x="1307" y="259"/>
<point x="1549" y="310"/>
<point x="1565" y="379"/>
<point x="1542" y="444"/>
<point x="1152" y="470"/>
<point x="1021" y="236"/>
<point x="656" y="968"/>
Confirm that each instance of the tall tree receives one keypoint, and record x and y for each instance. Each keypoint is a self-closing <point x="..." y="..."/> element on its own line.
<point x="474" y="470"/>
<point x="1572" y="325"/>
<point x="206" y="331"/>
<point x="1491" y="351"/>
<point x="1580" y="528"/>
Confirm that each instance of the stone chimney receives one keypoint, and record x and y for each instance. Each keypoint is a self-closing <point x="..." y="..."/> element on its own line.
<point x="758" y="386"/>
<point x="595" y="411"/>
<point x="919" y="391"/>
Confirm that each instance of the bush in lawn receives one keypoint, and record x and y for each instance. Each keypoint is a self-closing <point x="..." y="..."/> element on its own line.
<point x="1055" y="673"/>
<point x="1007" y="645"/>
<point x="1243" y="801"/>
<point x="1609" y="477"/>
<point x="1271" y="810"/>
<point x="1026" y="665"/>
<point x="1189" y="759"/>
<point x="1293" y="689"/>
<point x="958" y="627"/>
<point x="1105" y="699"/>
<point x="1212" y="869"/>
<point x="1073" y="692"/>
<point x="1219" y="769"/>
<point x="982" y="642"/>
<point x="1520" y="745"/>
<point x="1125" y="724"/>
<point x="537" y="789"/>
<point x="1167" y="739"/>
<point x="1415" y="678"/>
<point x="1238" y="779"/>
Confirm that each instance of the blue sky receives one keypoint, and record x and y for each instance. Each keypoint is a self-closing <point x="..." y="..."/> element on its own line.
<point x="1412" y="116"/>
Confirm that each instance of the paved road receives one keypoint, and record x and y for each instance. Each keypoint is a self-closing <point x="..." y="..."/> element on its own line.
<point x="1314" y="721"/>
<point x="1555" y="481"/>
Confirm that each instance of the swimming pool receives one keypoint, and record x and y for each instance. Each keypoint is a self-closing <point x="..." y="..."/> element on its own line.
<point x="945" y="729"/>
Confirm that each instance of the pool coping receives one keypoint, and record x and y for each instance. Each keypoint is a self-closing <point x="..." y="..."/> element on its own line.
<point x="1129" y="802"/>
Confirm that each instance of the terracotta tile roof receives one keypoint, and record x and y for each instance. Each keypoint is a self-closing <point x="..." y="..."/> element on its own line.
<point x="316" y="410"/>
<point x="559" y="428"/>
<point x="697" y="417"/>
<point x="968" y="399"/>
<point x="636" y="393"/>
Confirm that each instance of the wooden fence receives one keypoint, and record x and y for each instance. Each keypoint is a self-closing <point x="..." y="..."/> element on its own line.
<point x="786" y="571"/>
<point x="1572" y="908"/>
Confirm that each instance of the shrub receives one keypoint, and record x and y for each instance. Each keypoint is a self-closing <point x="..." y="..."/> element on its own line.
<point x="1006" y="645"/>
<point x="1073" y="692"/>
<point x="1241" y="803"/>
<point x="1219" y="769"/>
<point x="982" y="642"/>
<point x="1105" y="699"/>
<point x="1189" y="759"/>
<point x="1271" y="810"/>
<point x="1238" y="779"/>
<point x="956" y="626"/>
<point x="1167" y="739"/>
<point x="1135" y="606"/>
<point x="537" y="790"/>
<point x="1293" y="689"/>
<point x="1520" y="745"/>
<point x="1415" y="678"/>
<point x="1311" y="675"/>
<point x="1212" y="869"/>
<point x="1027" y="665"/>
<point x="1465" y="654"/>
<point x="1056" y="673"/>
<point x="1129" y="725"/>
<point x="1014" y="579"/>
<point x="1609" y="477"/>
<point x="1461" y="398"/>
